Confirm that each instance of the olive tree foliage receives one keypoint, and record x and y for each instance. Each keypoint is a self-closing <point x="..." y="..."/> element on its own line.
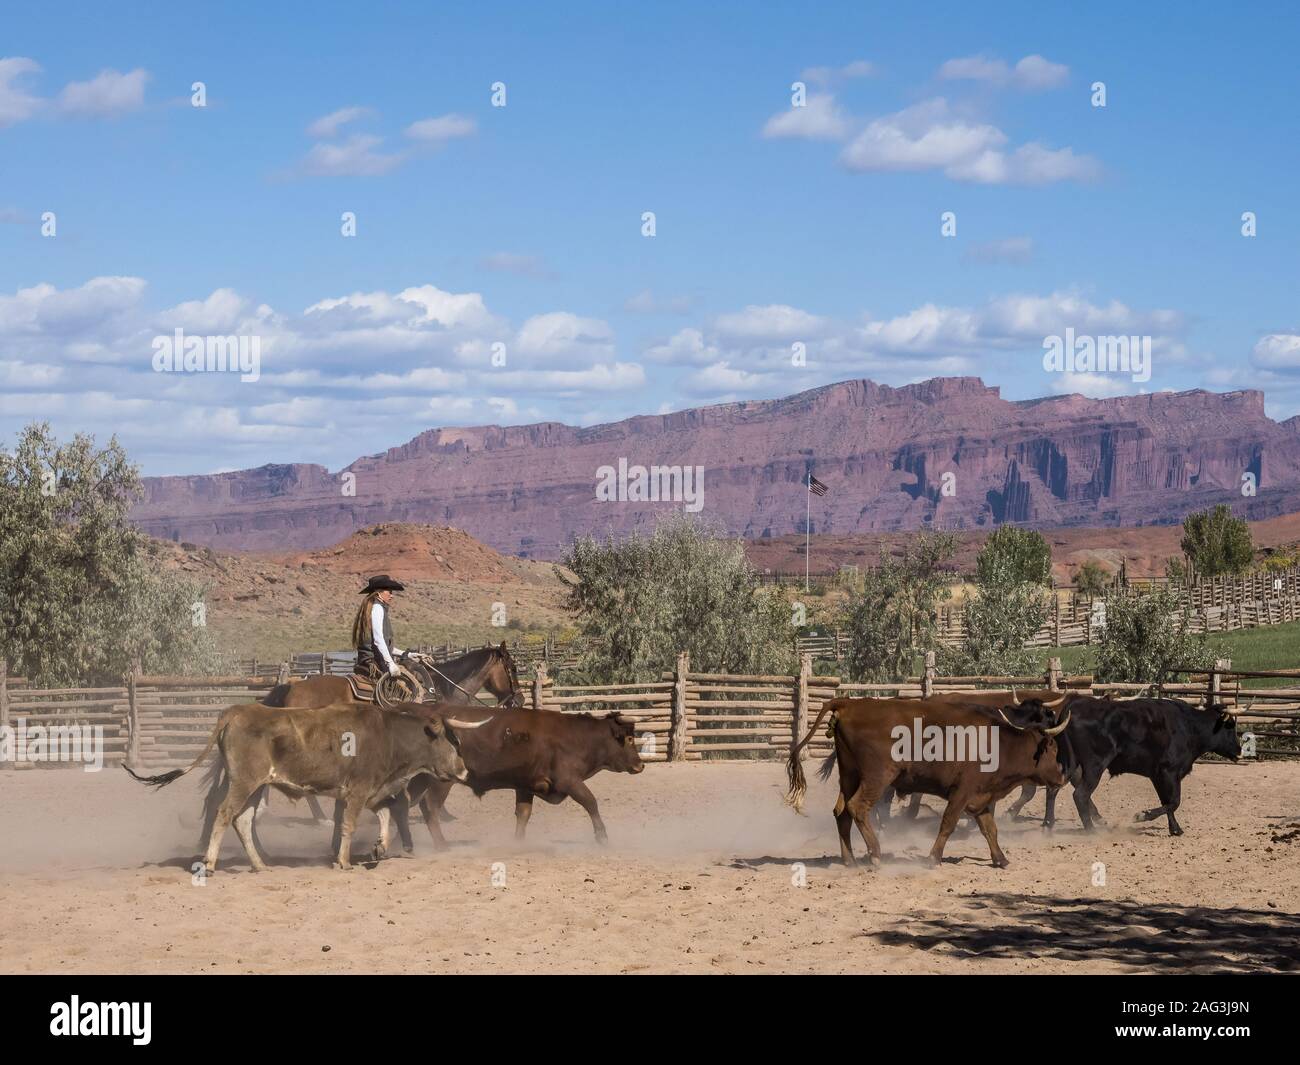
<point x="80" y="596"/>
<point x="892" y="616"/>
<point x="684" y="587"/>
<point x="1092" y="579"/>
<point x="1021" y="556"/>
<point x="1001" y="616"/>
<point x="1147" y="637"/>
<point x="1217" y="542"/>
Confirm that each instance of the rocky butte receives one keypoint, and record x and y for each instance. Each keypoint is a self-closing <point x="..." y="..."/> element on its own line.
<point x="884" y="452"/>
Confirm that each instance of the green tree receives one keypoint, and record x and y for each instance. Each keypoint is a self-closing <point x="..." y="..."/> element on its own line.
<point x="1020" y="556"/>
<point x="685" y="587"/>
<point x="892" y="618"/>
<point x="1091" y="579"/>
<point x="1217" y="542"/>
<point x="80" y="596"/>
<point x="1147" y="637"/>
<point x="1000" y="618"/>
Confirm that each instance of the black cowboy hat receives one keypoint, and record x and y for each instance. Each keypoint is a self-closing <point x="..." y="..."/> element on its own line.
<point x="382" y="583"/>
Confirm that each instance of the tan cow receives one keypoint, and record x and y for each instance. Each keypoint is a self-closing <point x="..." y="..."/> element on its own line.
<point x="362" y="755"/>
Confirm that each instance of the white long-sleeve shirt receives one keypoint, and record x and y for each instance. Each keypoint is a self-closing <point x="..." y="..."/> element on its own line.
<point x="377" y="629"/>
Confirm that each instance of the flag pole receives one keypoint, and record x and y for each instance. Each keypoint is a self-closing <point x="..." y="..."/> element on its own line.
<point x="807" y="533"/>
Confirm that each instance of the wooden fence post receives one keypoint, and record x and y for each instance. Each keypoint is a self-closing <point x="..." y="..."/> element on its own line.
<point x="283" y="676"/>
<point x="927" y="679"/>
<point x="1054" y="674"/>
<point x="4" y="702"/>
<point x="1221" y="665"/>
<point x="800" y="723"/>
<point x="677" y="734"/>
<point x="132" y="718"/>
<point x="539" y="684"/>
<point x="1056" y="620"/>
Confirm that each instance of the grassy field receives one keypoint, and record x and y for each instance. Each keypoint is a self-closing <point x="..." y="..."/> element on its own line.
<point x="1267" y="647"/>
<point x="1264" y="648"/>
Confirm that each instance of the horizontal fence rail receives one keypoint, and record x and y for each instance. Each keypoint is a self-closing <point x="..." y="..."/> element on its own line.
<point x="1217" y="604"/>
<point x="157" y="723"/>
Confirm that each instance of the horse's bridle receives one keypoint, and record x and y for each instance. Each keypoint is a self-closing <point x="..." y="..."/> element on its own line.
<point x="514" y="699"/>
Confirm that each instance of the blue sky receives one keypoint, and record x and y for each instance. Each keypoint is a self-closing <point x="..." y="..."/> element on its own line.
<point x="521" y="225"/>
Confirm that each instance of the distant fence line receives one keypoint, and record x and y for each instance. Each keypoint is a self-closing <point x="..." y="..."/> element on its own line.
<point x="156" y="723"/>
<point x="1216" y="604"/>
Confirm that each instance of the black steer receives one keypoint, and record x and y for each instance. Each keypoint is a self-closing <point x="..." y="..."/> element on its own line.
<point x="1159" y="739"/>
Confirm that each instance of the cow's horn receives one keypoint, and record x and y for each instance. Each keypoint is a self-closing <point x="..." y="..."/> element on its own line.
<point x="1056" y="702"/>
<point x="1057" y="730"/>
<point x="456" y="722"/>
<point x="1015" y="701"/>
<point x="1004" y="717"/>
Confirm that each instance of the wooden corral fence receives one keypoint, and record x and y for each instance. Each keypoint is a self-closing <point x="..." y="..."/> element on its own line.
<point x="1271" y="716"/>
<point x="689" y="716"/>
<point x="158" y="723"/>
<point x="170" y="718"/>
<point x="52" y="713"/>
<point x="1215" y="604"/>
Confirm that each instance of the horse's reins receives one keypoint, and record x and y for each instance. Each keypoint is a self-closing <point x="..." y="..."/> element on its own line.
<point x="515" y="691"/>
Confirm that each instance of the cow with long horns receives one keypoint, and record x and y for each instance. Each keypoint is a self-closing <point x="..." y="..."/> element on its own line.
<point x="1159" y="739"/>
<point x="969" y="755"/>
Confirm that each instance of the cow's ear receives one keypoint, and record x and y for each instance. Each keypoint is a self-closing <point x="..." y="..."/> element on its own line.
<point x="433" y="729"/>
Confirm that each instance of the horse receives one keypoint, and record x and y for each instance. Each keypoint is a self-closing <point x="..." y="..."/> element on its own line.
<point x="456" y="681"/>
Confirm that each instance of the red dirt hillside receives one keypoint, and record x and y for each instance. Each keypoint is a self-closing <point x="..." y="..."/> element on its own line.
<point x="272" y="604"/>
<point x="410" y="552"/>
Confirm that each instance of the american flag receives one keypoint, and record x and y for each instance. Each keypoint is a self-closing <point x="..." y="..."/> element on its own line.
<point x="815" y="486"/>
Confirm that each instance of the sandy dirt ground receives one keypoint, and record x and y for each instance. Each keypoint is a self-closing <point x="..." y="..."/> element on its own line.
<point x="702" y="875"/>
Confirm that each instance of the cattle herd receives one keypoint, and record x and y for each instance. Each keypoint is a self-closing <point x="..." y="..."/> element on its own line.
<point x="972" y="749"/>
<point x="968" y="748"/>
<point x="384" y="760"/>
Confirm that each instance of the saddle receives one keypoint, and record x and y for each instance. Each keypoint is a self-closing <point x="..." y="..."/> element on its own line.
<point x="366" y="689"/>
<point x="363" y="688"/>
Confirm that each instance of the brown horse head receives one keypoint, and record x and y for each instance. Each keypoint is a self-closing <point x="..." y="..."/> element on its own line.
<point x="459" y="679"/>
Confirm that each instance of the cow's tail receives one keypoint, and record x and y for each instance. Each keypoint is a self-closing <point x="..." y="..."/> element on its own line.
<point x="794" y="768"/>
<point x="824" y="771"/>
<point x="163" y="779"/>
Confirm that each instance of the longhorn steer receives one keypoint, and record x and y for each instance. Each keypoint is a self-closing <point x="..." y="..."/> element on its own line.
<point x="1159" y="739"/>
<point x="360" y="754"/>
<point x="873" y="751"/>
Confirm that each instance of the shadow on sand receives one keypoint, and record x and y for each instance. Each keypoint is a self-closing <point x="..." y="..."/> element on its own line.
<point x="1150" y="937"/>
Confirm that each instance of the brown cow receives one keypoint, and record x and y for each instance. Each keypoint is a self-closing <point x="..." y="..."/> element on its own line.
<point x="360" y="754"/>
<point x="994" y="699"/>
<point x="532" y="753"/>
<point x="873" y="751"/>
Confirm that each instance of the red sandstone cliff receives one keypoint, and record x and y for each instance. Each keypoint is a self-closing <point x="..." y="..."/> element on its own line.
<point x="883" y="451"/>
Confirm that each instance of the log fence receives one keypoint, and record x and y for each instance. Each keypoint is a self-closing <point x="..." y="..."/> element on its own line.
<point x="157" y="723"/>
